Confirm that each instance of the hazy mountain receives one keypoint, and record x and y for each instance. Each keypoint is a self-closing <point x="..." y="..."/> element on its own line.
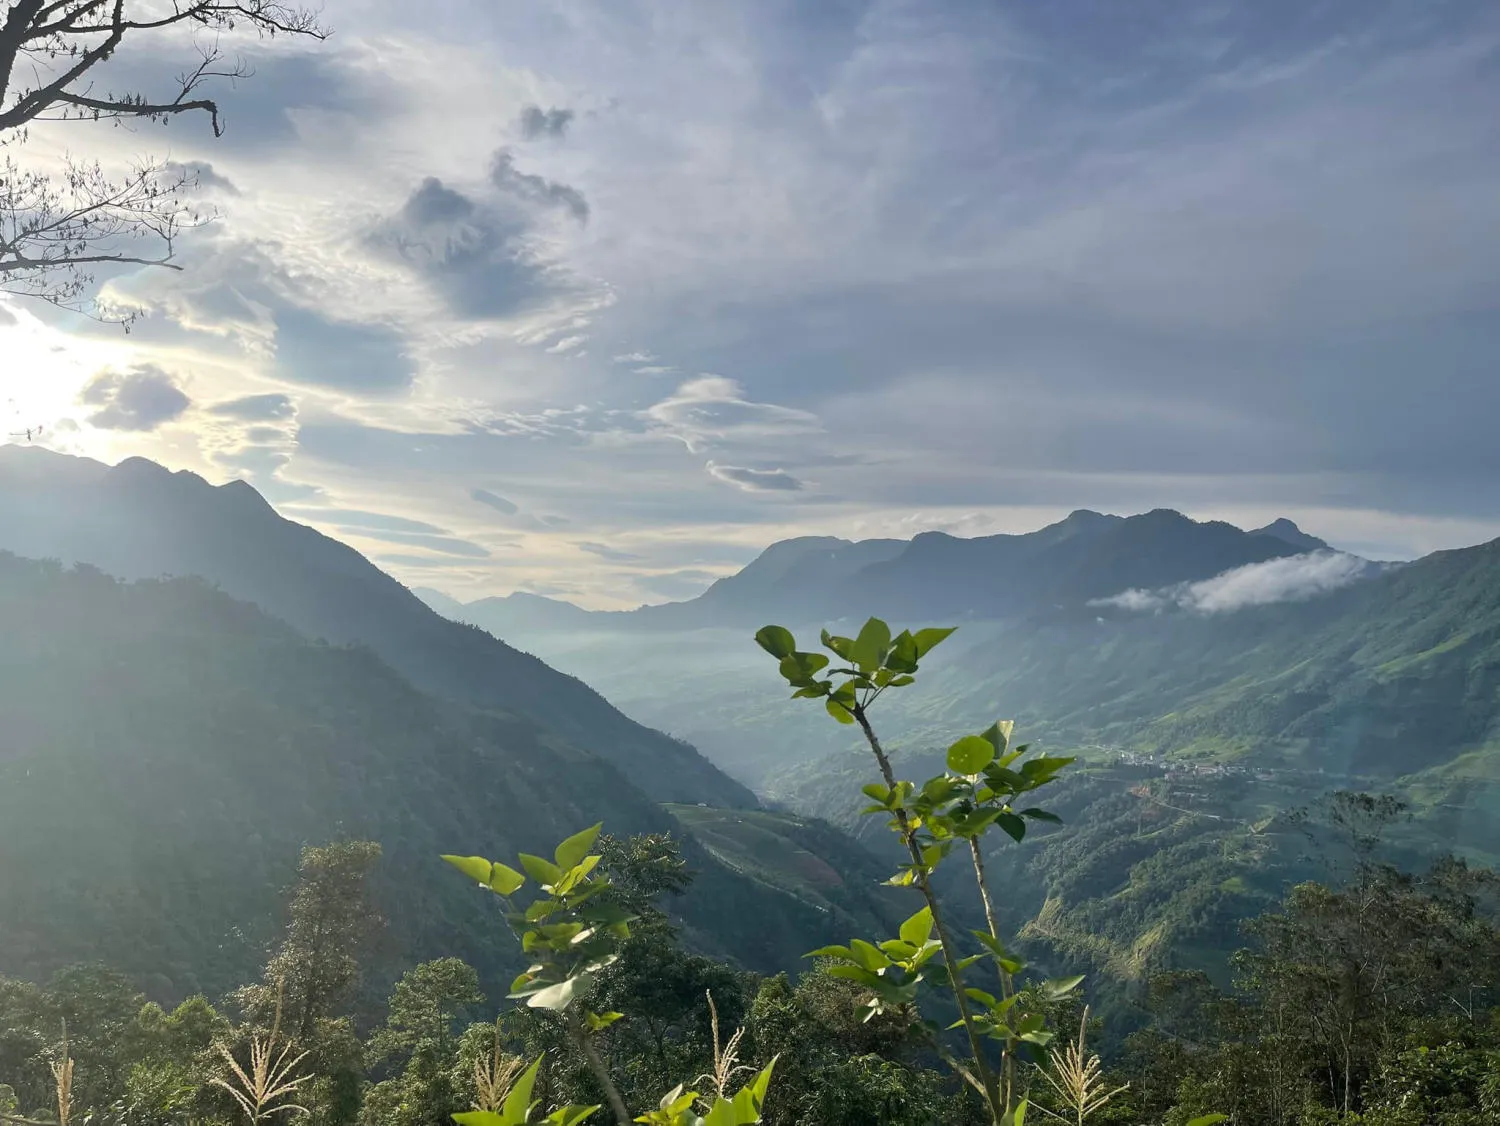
<point x="1288" y="532"/>
<point x="168" y="750"/>
<point x="934" y="575"/>
<point x="138" y="519"/>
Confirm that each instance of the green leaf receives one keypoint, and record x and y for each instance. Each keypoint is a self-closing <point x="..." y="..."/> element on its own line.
<point x="929" y="639"/>
<point x="869" y="647"/>
<point x="799" y="668"/>
<point x="477" y="868"/>
<point x="903" y="655"/>
<point x="1041" y="815"/>
<point x="918" y="929"/>
<point x="831" y="952"/>
<point x="540" y="870"/>
<point x="1012" y="825"/>
<point x="1208" y="1120"/>
<point x="868" y="954"/>
<point x="569" y="1115"/>
<point x="505" y="880"/>
<point x="970" y="755"/>
<point x="777" y="641"/>
<point x="1060" y="987"/>
<point x="598" y="1021"/>
<point x="572" y="851"/>
<point x="749" y="1099"/>
<point x="517" y="1106"/>
<point x="838" y="711"/>
<point x="1019" y="1118"/>
<point x="480" y="1118"/>
<point x="558" y="997"/>
<point x="879" y="791"/>
<point x="999" y="734"/>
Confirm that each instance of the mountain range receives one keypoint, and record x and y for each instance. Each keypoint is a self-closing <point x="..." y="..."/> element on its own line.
<point x="172" y="742"/>
<point x="933" y="575"/>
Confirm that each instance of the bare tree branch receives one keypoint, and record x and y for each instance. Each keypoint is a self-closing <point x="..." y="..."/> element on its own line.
<point x="55" y="226"/>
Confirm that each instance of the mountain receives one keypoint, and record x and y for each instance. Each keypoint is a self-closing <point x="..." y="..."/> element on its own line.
<point x="139" y="520"/>
<point x="1288" y="532"/>
<point x="933" y="575"/>
<point x="168" y="750"/>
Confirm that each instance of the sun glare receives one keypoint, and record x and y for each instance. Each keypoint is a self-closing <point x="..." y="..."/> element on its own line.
<point x="42" y="374"/>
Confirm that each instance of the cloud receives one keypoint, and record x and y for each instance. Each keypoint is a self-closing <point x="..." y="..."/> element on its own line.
<point x="1294" y="578"/>
<point x="495" y="501"/>
<point x="477" y="254"/>
<point x="443" y="544"/>
<point x="536" y="189"/>
<point x="613" y="555"/>
<point x="755" y="480"/>
<point x="356" y="519"/>
<point x="538" y="122"/>
<point x="567" y="344"/>
<point x="138" y="400"/>
<point x="634" y="358"/>
<point x="314" y="349"/>
<point x="201" y="173"/>
<point x="712" y="407"/>
<point x="273" y="407"/>
<point x="683" y="584"/>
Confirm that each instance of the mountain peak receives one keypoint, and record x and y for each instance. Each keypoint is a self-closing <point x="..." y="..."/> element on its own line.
<point x="1287" y="532"/>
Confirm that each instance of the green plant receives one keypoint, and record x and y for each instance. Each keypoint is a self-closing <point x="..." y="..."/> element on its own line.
<point x="955" y="810"/>
<point x="572" y="929"/>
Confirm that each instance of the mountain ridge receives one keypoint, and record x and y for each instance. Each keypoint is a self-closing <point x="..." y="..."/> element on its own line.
<point x="934" y="575"/>
<point x="140" y="520"/>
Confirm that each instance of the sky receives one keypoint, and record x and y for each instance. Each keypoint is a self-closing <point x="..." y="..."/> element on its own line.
<point x="597" y="298"/>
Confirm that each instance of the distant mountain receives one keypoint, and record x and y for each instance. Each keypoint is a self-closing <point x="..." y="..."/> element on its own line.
<point x="934" y="575"/>
<point x="139" y="520"/>
<point x="166" y="751"/>
<point x="1288" y="532"/>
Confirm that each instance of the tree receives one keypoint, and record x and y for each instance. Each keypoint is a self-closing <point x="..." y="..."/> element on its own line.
<point x="419" y="1033"/>
<point x="312" y="978"/>
<point x="57" y="225"/>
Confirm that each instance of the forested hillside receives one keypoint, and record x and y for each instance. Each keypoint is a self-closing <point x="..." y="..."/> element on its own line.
<point x="168" y="751"/>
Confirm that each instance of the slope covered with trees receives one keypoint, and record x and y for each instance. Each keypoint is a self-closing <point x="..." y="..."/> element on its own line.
<point x="168" y="750"/>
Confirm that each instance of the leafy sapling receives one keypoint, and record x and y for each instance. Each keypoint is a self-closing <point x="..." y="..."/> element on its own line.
<point x="981" y="788"/>
<point x="573" y="928"/>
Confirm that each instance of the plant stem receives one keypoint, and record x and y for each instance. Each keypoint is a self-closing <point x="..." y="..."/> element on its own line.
<point x="601" y="1073"/>
<point x="950" y="955"/>
<point x="1007" y="985"/>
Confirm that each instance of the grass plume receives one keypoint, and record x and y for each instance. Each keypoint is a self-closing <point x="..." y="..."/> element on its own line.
<point x="1075" y="1076"/>
<point x="262" y="1090"/>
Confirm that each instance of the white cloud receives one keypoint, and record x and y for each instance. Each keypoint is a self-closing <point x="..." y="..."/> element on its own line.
<point x="713" y="408"/>
<point x="1295" y="578"/>
<point x="755" y="480"/>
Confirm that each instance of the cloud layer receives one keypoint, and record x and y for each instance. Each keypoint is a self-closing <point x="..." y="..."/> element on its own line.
<point x="1295" y="578"/>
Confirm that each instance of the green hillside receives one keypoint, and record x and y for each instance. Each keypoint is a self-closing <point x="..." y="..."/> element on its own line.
<point x="167" y="751"/>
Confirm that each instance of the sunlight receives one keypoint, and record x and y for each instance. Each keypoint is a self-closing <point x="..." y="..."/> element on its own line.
<point x="41" y="375"/>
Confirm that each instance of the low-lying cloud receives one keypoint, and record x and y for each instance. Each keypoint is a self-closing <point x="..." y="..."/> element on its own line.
<point x="1295" y="578"/>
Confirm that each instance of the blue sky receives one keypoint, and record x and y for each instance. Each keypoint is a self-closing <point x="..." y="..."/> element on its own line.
<point x="598" y="298"/>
